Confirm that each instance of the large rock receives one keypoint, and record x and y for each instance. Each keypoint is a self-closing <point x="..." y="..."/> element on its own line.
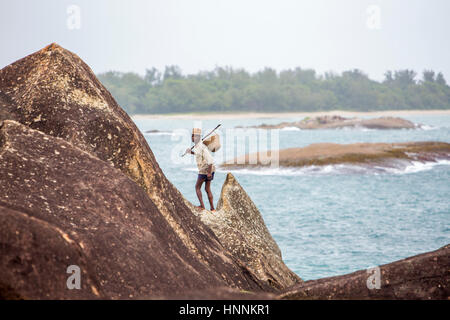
<point x="338" y="122"/>
<point x="80" y="186"/>
<point x="61" y="206"/>
<point x="241" y="229"/>
<point x="74" y="165"/>
<point x="425" y="276"/>
<point x="319" y="154"/>
<point x="55" y="92"/>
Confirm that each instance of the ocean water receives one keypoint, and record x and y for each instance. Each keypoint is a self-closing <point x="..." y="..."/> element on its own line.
<point x="327" y="220"/>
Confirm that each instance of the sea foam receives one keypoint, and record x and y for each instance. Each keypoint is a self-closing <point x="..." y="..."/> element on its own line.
<point x="399" y="167"/>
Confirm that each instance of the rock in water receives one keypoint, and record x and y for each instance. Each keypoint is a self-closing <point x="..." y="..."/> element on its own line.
<point x="338" y="122"/>
<point x="75" y="167"/>
<point x="241" y="229"/>
<point x="366" y="153"/>
<point x="425" y="276"/>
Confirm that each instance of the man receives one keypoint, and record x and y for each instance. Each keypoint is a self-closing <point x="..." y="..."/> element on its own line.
<point x="205" y="164"/>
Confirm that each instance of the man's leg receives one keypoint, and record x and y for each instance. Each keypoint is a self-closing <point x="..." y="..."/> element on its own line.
<point x="198" y="190"/>
<point x="209" y="193"/>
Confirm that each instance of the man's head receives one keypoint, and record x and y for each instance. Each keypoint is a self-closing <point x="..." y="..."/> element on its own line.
<point x="196" y="135"/>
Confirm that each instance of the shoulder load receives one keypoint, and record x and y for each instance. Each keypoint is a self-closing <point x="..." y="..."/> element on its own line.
<point x="212" y="142"/>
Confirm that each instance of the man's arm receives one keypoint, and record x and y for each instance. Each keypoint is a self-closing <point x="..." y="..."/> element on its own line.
<point x="189" y="150"/>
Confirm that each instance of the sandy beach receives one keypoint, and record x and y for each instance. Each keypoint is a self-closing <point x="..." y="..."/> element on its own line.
<point x="262" y="115"/>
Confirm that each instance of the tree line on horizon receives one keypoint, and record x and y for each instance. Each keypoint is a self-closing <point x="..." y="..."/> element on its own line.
<point x="226" y="89"/>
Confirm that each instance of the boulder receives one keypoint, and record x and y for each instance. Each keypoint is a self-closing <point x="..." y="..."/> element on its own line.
<point x="241" y="229"/>
<point x="320" y="154"/>
<point x="62" y="206"/>
<point x="338" y="122"/>
<point x="55" y="92"/>
<point x="424" y="276"/>
<point x="74" y="165"/>
<point x="79" y="185"/>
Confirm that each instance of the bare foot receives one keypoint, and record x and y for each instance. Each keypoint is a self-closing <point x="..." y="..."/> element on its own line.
<point x="213" y="210"/>
<point x="199" y="207"/>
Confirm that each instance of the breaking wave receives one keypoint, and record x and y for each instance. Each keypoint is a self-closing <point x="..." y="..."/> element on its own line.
<point x="291" y="129"/>
<point x="426" y="127"/>
<point x="398" y="167"/>
<point x="158" y="133"/>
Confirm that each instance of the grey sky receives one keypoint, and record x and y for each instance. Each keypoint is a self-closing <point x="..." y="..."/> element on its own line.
<point x="200" y="34"/>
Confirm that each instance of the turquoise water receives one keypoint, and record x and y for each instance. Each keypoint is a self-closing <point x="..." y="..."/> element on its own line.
<point x="336" y="219"/>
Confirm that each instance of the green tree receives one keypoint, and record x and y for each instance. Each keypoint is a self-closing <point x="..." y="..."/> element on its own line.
<point x="228" y="89"/>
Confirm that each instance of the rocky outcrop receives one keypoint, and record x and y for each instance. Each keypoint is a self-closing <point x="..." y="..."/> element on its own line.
<point x="55" y="92"/>
<point x="241" y="229"/>
<point x="425" y="276"/>
<point x="61" y="206"/>
<point x="338" y="122"/>
<point x="319" y="154"/>
<point x="80" y="185"/>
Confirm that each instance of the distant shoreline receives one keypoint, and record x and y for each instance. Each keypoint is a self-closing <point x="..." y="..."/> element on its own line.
<point x="243" y="115"/>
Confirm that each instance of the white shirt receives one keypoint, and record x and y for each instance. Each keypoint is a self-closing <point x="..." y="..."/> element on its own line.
<point x="203" y="158"/>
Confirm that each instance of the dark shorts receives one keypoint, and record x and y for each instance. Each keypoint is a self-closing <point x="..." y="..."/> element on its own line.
<point x="204" y="177"/>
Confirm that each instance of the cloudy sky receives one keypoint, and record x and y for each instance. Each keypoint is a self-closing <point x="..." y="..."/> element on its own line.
<point x="326" y="35"/>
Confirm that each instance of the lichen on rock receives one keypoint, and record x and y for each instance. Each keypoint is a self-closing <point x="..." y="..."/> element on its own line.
<point x="71" y="208"/>
<point x="75" y="167"/>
